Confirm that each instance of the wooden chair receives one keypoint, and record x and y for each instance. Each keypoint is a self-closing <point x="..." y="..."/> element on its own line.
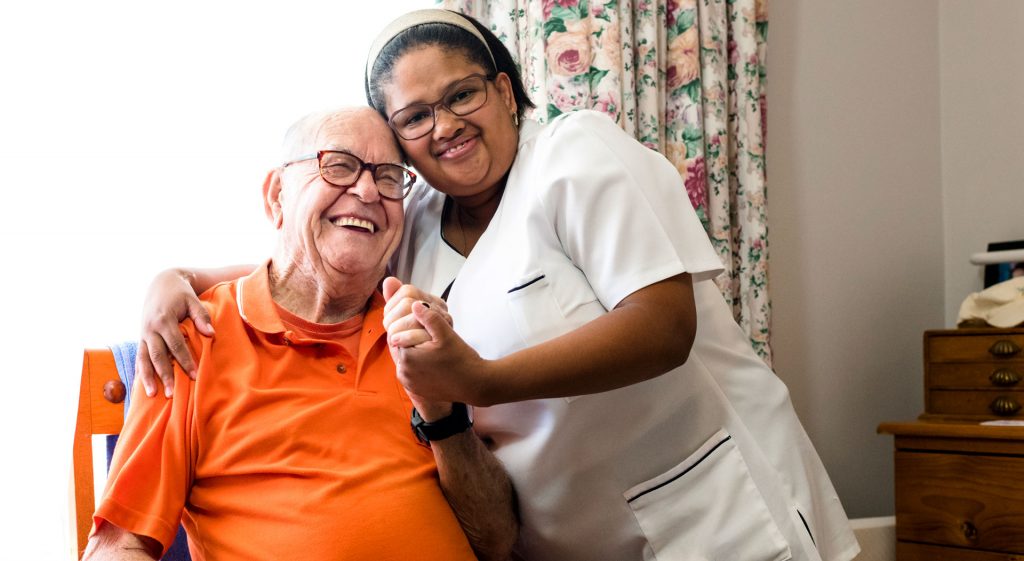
<point x="100" y="411"/>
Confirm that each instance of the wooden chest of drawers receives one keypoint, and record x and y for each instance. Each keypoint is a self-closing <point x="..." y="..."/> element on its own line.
<point x="959" y="491"/>
<point x="973" y="374"/>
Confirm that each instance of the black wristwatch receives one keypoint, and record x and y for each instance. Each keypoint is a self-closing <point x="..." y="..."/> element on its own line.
<point x="456" y="422"/>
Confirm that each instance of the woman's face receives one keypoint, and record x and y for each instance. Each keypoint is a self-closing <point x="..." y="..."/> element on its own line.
<point x="462" y="156"/>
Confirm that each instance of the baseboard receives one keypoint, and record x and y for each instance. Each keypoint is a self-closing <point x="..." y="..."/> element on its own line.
<point x="877" y="538"/>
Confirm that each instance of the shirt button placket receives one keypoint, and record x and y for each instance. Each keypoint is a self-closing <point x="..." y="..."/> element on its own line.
<point x="341" y="368"/>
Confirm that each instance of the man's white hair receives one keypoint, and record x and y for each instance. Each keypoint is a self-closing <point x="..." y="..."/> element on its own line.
<point x="302" y="137"/>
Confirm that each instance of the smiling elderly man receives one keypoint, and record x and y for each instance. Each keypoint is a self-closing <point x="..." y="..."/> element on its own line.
<point x="294" y="440"/>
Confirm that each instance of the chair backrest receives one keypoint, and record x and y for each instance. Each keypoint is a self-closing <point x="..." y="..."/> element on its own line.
<point x="100" y="411"/>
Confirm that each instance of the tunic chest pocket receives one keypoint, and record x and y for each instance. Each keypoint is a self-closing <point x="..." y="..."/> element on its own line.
<point x="540" y="316"/>
<point x="707" y="508"/>
<point x="535" y="309"/>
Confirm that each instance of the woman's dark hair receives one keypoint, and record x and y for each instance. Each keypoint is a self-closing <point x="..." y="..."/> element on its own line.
<point x="452" y="38"/>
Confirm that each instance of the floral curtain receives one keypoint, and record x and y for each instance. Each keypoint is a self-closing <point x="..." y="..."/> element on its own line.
<point x="686" y="78"/>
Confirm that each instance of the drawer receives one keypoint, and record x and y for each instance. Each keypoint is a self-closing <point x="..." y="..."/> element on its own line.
<point x="982" y="403"/>
<point x="987" y="375"/>
<point x="969" y="347"/>
<point x="960" y="500"/>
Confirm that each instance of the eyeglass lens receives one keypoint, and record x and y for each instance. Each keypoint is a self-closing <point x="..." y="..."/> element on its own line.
<point x="462" y="98"/>
<point x="343" y="170"/>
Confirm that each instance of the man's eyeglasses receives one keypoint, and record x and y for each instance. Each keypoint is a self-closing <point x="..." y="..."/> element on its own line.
<point x="342" y="169"/>
<point x="462" y="98"/>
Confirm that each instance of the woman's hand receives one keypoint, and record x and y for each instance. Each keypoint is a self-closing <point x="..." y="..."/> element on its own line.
<point x="443" y="368"/>
<point x="404" y="331"/>
<point x="169" y="301"/>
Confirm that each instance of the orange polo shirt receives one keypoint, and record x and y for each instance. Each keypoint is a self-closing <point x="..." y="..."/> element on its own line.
<point x="285" y="447"/>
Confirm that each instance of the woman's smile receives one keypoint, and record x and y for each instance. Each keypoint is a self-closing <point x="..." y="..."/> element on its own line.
<point x="457" y="149"/>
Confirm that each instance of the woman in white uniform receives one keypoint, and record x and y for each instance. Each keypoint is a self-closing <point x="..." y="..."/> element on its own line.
<point x="630" y="410"/>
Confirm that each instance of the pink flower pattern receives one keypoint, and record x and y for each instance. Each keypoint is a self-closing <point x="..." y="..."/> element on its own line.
<point x="696" y="183"/>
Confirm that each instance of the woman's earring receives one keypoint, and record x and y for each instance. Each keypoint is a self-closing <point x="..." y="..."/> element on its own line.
<point x="515" y="119"/>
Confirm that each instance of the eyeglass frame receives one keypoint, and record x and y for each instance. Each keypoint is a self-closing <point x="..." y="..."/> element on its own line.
<point x="433" y="106"/>
<point x="363" y="166"/>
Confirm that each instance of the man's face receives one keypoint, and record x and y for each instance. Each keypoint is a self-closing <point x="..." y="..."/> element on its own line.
<point x="329" y="230"/>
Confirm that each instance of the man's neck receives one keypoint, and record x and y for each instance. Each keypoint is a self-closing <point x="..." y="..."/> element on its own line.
<point x="319" y="297"/>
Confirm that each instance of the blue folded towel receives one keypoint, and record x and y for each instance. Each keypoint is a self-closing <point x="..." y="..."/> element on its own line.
<point x="124" y="358"/>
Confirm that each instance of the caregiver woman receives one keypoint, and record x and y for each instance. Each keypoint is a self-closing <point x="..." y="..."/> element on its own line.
<point x="633" y="417"/>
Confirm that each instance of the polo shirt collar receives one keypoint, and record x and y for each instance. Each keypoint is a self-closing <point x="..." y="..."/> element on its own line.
<point x="256" y="306"/>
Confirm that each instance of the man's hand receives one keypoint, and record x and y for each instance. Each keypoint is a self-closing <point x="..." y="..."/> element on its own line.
<point x="403" y="329"/>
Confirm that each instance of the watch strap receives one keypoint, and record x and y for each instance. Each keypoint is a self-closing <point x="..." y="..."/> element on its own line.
<point x="456" y="422"/>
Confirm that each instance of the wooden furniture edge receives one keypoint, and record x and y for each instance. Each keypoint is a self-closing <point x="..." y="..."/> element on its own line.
<point x="951" y="429"/>
<point x="95" y="416"/>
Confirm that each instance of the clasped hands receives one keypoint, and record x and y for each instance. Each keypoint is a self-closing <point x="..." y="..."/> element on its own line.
<point x="433" y="363"/>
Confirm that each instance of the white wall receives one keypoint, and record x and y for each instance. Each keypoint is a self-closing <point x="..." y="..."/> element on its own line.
<point x="894" y="151"/>
<point x="982" y="126"/>
<point x="855" y="223"/>
<point x="134" y="136"/>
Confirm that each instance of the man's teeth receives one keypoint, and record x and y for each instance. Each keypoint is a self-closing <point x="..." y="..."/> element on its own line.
<point x="454" y="148"/>
<point x="355" y="222"/>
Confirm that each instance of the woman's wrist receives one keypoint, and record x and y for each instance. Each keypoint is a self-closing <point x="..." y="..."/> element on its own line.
<point x="491" y="386"/>
<point x="186" y="275"/>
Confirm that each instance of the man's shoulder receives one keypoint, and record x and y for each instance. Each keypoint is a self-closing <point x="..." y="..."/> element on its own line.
<point x="221" y="303"/>
<point x="221" y="299"/>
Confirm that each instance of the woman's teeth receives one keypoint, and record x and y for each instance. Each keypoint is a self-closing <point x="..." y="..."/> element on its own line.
<point x="456" y="148"/>
<point x="348" y="221"/>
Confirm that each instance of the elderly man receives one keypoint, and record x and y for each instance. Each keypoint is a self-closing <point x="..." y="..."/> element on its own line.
<point x="294" y="440"/>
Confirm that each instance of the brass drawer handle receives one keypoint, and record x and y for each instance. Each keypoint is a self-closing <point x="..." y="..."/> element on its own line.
<point x="1004" y="406"/>
<point x="1004" y="377"/>
<point x="1004" y="348"/>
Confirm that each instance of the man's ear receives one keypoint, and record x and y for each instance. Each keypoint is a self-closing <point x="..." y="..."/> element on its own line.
<point x="272" y="197"/>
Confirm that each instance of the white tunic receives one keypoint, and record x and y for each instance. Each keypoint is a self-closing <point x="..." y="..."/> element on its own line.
<point x="706" y="462"/>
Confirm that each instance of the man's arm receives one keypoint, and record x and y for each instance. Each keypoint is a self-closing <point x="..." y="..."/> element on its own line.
<point x="479" y="492"/>
<point x="150" y="475"/>
<point x="112" y="543"/>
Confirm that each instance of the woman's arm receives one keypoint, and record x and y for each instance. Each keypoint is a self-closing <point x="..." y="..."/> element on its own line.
<point x="647" y="334"/>
<point x="171" y="298"/>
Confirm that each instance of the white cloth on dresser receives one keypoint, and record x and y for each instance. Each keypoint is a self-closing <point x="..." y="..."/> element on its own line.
<point x="707" y="461"/>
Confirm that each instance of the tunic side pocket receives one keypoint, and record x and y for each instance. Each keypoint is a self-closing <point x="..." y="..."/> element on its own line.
<point x="707" y="508"/>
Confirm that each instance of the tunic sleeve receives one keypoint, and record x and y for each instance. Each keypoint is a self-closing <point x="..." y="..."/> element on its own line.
<point x="619" y="209"/>
<point x="151" y="471"/>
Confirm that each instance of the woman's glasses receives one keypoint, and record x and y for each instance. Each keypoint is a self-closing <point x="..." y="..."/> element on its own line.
<point x="462" y="98"/>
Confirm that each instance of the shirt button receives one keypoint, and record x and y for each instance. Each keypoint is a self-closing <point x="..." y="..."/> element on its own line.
<point x="342" y="369"/>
